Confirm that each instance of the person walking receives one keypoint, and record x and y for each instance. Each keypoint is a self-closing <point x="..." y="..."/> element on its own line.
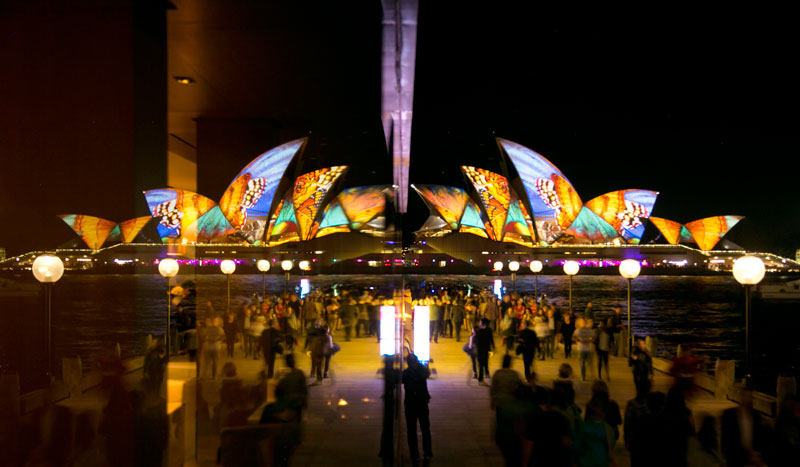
<point x="484" y="341"/>
<point x="231" y="332"/>
<point x="270" y="342"/>
<point x="211" y="335"/>
<point x="584" y="336"/>
<point x="528" y="343"/>
<point x="457" y="316"/>
<point x="415" y="385"/>
<point x="435" y="317"/>
<point x="316" y="343"/>
<point x="641" y="364"/>
<point x="491" y="312"/>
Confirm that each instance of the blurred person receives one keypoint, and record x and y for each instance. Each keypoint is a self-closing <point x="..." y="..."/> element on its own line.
<point x="246" y="336"/>
<point x="309" y="312"/>
<point x="603" y="347"/>
<point x="547" y="439"/>
<point x="636" y="413"/>
<point x="347" y="316"/>
<point x="491" y="312"/>
<point x="457" y="316"/>
<point x="550" y="338"/>
<point x="510" y="407"/>
<point x="154" y="367"/>
<point x="596" y="442"/>
<point x="231" y="332"/>
<point x="786" y="445"/>
<point x="505" y="384"/>
<point x="588" y="313"/>
<point x="258" y="322"/>
<point x="616" y="328"/>
<point x="416" y="401"/>
<point x="434" y="319"/>
<point x="641" y="364"/>
<point x="210" y="337"/>
<point x="484" y="342"/>
<point x="610" y="407"/>
<point x="584" y="336"/>
<point x="541" y="330"/>
<point x="270" y="342"/>
<point x="704" y="447"/>
<point x="292" y="387"/>
<point x="743" y="438"/>
<point x="678" y="427"/>
<point x="683" y="370"/>
<point x="331" y="348"/>
<point x="567" y="330"/>
<point x="471" y="350"/>
<point x="563" y="399"/>
<point x="362" y="319"/>
<point x="528" y="343"/>
<point x="316" y="343"/>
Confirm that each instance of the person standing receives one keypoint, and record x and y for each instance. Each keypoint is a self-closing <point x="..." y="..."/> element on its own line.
<point x="348" y="315"/>
<point x="447" y="307"/>
<point x="567" y="330"/>
<point x="584" y="336"/>
<point x="603" y="344"/>
<point x="270" y="343"/>
<point x="491" y="312"/>
<point x="231" y="332"/>
<point x="588" y="313"/>
<point x="435" y="317"/>
<point x="616" y="330"/>
<point x="316" y="343"/>
<point x="415" y="385"/>
<point x="457" y="316"/>
<point x="484" y="341"/>
<point x="211" y="335"/>
<point x="310" y="313"/>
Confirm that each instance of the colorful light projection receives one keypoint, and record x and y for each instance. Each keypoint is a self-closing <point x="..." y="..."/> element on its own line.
<point x="495" y="197"/>
<point x="554" y="201"/>
<point x="449" y="202"/>
<point x="247" y="200"/>
<point x="283" y="226"/>
<point x="309" y="193"/>
<point x="333" y="221"/>
<point x="362" y="204"/>
<point x="471" y="221"/>
<point x="177" y="211"/>
<point x="130" y="228"/>
<point x="625" y="211"/>
<point x="93" y="230"/>
<point x="705" y="232"/>
<point x="517" y="228"/>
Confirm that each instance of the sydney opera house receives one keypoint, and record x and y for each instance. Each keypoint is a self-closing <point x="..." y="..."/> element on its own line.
<point x="530" y="210"/>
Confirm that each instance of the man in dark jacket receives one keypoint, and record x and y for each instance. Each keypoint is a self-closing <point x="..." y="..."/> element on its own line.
<point x="415" y="386"/>
<point x="484" y="341"/>
<point x="528" y="343"/>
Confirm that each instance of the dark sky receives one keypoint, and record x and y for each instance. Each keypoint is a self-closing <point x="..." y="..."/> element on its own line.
<point x="698" y="105"/>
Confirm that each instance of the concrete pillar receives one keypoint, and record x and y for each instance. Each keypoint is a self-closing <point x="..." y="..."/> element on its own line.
<point x="724" y="377"/>
<point x="72" y="372"/>
<point x="787" y="386"/>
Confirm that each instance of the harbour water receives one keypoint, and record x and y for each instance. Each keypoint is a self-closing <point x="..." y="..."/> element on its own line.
<point x="91" y="313"/>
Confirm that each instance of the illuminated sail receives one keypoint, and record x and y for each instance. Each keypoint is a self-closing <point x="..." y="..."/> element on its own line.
<point x="309" y="192"/>
<point x="283" y="227"/>
<point x="247" y="200"/>
<point x="471" y="221"/>
<point x="130" y="228"/>
<point x="448" y="201"/>
<point x="707" y="232"/>
<point x="362" y="204"/>
<point x="671" y="230"/>
<point x="625" y="210"/>
<point x="176" y="211"/>
<point x="334" y="220"/>
<point x="516" y="223"/>
<point x="210" y="226"/>
<point x="554" y="201"/>
<point x="93" y="230"/>
<point x="495" y="196"/>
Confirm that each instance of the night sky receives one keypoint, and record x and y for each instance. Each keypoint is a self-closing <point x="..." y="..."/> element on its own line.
<point x="698" y="105"/>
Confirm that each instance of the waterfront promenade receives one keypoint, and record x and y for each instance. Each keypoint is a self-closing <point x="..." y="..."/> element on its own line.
<point x="461" y="419"/>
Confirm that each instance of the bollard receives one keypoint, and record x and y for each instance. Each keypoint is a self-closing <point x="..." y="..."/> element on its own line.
<point x="787" y="386"/>
<point x="72" y="373"/>
<point x="724" y="377"/>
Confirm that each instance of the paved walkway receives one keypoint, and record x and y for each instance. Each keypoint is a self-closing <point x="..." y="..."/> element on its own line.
<point x="342" y="425"/>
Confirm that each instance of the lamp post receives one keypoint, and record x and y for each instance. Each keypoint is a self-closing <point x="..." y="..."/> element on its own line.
<point x="263" y="266"/>
<point x="513" y="267"/>
<point x="571" y="268"/>
<point x="536" y="268"/>
<point x="748" y="271"/>
<point x="304" y="265"/>
<point x="629" y="269"/>
<point x="48" y="269"/>
<point x="287" y="266"/>
<point x="168" y="268"/>
<point x="227" y="267"/>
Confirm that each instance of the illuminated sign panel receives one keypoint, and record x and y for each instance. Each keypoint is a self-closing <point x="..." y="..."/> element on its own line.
<point x="387" y="330"/>
<point x="422" y="345"/>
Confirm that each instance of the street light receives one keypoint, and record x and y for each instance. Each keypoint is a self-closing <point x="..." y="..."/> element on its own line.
<point x="571" y="268"/>
<point x="498" y="266"/>
<point x="748" y="271"/>
<point x="263" y="266"/>
<point x="536" y="268"/>
<point x="513" y="267"/>
<point x="304" y="265"/>
<point x="48" y="269"/>
<point x="287" y="266"/>
<point x="227" y="267"/>
<point x="168" y="268"/>
<point x="629" y="269"/>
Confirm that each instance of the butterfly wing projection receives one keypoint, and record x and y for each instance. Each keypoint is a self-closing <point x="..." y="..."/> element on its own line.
<point x="309" y="192"/>
<point x="176" y="211"/>
<point x="707" y="232"/>
<point x="283" y="226"/>
<point x="590" y="226"/>
<point x="247" y="200"/>
<point x="625" y="211"/>
<point x="362" y="204"/>
<point x="495" y="197"/>
<point x="210" y="226"/>
<point x="554" y="201"/>
<point x="449" y="202"/>
<point x="516" y="228"/>
<point x="93" y="230"/>
<point x="671" y="230"/>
